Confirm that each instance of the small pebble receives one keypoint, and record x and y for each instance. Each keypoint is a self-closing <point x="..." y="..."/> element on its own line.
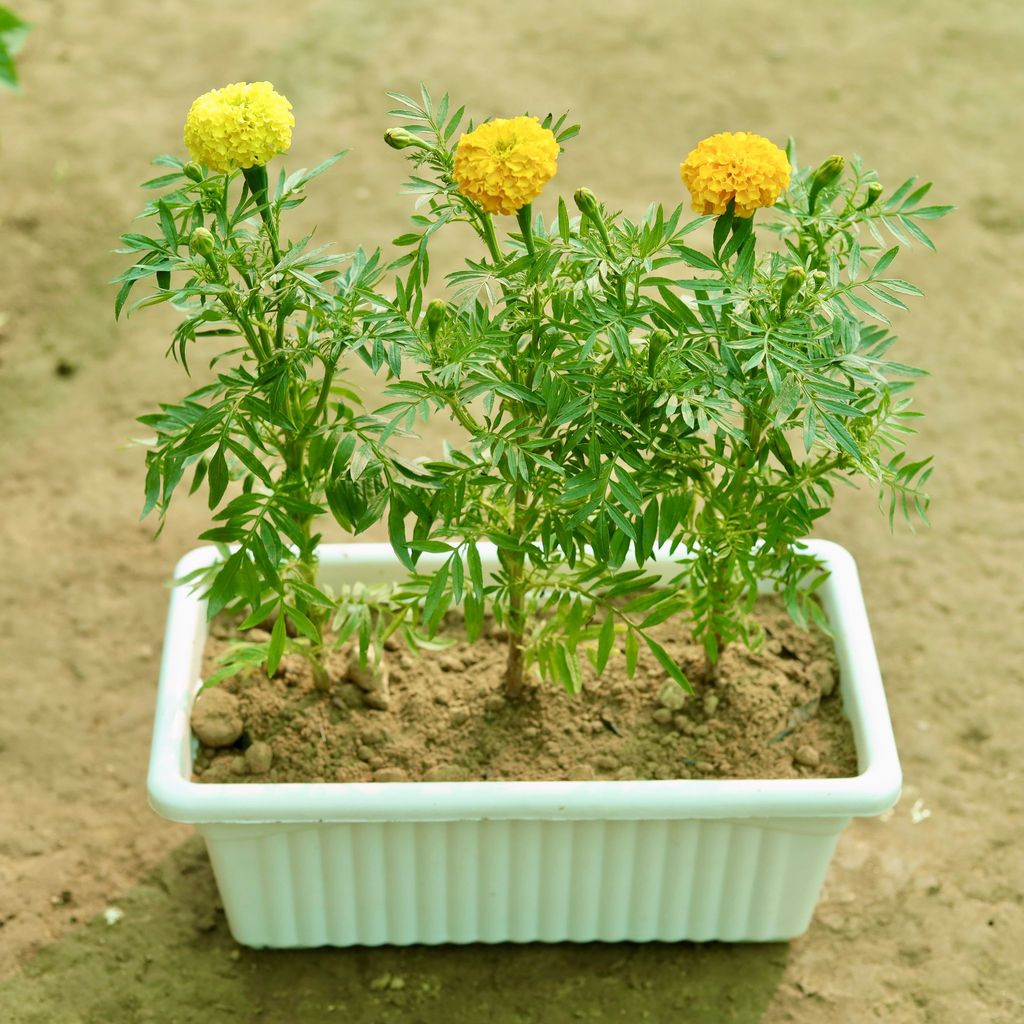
<point x="710" y="704"/>
<point x="683" y="724"/>
<point x="216" y="717"/>
<point x="606" y="762"/>
<point x="625" y="772"/>
<point x="451" y="663"/>
<point x="374" y="736"/>
<point x="444" y="773"/>
<point x="705" y="767"/>
<point x="295" y="670"/>
<point x="258" y="636"/>
<point x="239" y="766"/>
<point x="373" y="678"/>
<point x="531" y="732"/>
<point x="672" y="696"/>
<point x="495" y="702"/>
<point x="392" y="644"/>
<point x="701" y="730"/>
<point x="389" y="775"/>
<point x="662" y="716"/>
<point x="582" y="773"/>
<point x="405" y="662"/>
<point x="348" y="696"/>
<point x="458" y="716"/>
<point x="380" y="983"/>
<point x="397" y="984"/>
<point x="364" y="753"/>
<point x="822" y="675"/>
<point x="807" y="755"/>
<point x="259" y="757"/>
<point x="377" y="700"/>
<point x="112" y="915"/>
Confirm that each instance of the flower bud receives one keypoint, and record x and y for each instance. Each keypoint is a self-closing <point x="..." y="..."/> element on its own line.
<point x="826" y="175"/>
<point x="589" y="207"/>
<point x="874" y="192"/>
<point x="400" y="138"/>
<point x="587" y="202"/>
<point x="791" y="284"/>
<point x="202" y="242"/>
<point x="434" y="317"/>
<point x="193" y="170"/>
<point x="656" y="344"/>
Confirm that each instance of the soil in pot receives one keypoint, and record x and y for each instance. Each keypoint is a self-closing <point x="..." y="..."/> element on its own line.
<point x="443" y="717"/>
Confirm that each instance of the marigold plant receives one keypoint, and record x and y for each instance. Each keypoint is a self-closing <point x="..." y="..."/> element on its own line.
<point x="624" y="390"/>
<point x="276" y="436"/>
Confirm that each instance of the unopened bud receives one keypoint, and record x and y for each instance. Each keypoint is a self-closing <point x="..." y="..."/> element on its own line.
<point x="589" y="207"/>
<point x="827" y="174"/>
<point x="587" y="202"/>
<point x="434" y="317"/>
<point x="202" y="242"/>
<point x="655" y="346"/>
<point x="193" y="170"/>
<point x="874" y="193"/>
<point x="791" y="284"/>
<point x="401" y="138"/>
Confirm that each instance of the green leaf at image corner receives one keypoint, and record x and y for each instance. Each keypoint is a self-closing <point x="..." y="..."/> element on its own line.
<point x="13" y="32"/>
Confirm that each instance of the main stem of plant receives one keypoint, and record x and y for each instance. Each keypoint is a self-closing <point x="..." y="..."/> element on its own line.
<point x="256" y="181"/>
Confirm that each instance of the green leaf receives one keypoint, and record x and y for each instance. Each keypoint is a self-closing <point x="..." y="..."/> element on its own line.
<point x="278" y="636"/>
<point x="433" y="604"/>
<point x="605" y="643"/>
<point x="223" y="588"/>
<point x="153" y="481"/>
<point x="665" y="660"/>
<point x="217" y="477"/>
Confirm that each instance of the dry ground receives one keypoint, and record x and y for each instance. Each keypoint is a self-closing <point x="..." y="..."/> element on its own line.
<point x="922" y="918"/>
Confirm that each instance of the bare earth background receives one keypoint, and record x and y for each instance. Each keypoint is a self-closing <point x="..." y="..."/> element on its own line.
<point x="922" y="916"/>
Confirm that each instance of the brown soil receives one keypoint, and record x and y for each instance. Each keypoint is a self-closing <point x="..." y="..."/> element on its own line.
<point x="774" y="714"/>
<point x="921" y="920"/>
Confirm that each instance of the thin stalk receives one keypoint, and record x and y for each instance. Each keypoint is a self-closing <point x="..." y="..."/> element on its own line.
<point x="256" y="179"/>
<point x="525" y="217"/>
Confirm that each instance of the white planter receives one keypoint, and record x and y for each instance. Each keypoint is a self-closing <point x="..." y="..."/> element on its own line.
<point x="310" y="864"/>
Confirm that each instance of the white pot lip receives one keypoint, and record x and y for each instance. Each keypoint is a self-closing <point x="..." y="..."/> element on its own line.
<point x="874" y="790"/>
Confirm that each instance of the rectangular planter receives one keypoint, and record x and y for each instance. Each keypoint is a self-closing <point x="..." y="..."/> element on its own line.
<point x="310" y="864"/>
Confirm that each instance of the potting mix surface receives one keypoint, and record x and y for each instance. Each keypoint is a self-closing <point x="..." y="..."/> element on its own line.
<point x="444" y="716"/>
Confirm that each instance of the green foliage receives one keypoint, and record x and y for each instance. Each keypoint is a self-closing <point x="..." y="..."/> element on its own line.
<point x="12" y="36"/>
<point x="623" y="389"/>
<point x="278" y="438"/>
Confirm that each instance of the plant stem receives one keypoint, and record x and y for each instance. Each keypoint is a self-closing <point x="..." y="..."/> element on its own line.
<point x="256" y="179"/>
<point x="514" y="665"/>
<point x="489" y="237"/>
<point x="525" y="217"/>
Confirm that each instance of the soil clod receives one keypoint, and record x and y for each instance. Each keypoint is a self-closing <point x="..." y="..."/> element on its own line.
<point x="216" y="718"/>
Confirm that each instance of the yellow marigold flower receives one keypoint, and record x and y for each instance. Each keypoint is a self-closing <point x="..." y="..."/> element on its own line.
<point x="743" y="167"/>
<point x="242" y="125"/>
<point x="505" y="164"/>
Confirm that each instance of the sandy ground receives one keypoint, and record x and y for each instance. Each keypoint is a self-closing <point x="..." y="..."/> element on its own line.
<point x="921" y="919"/>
